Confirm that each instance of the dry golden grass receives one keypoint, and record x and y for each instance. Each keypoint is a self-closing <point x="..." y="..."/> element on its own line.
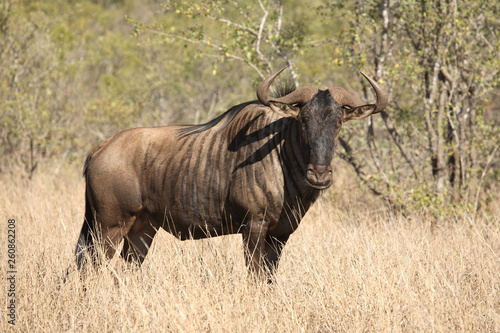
<point x="342" y="270"/>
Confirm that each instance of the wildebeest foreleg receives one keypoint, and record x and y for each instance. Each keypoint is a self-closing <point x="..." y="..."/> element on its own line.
<point x="273" y="249"/>
<point x="254" y="236"/>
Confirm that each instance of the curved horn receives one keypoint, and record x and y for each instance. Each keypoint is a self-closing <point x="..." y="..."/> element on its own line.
<point x="382" y="99"/>
<point x="301" y="95"/>
<point x="263" y="89"/>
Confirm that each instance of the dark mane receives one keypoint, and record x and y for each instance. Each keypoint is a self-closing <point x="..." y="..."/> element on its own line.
<point x="227" y="117"/>
<point x="283" y="88"/>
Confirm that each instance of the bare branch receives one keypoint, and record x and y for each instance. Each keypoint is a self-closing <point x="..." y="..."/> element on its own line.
<point x="380" y="58"/>
<point x="242" y="12"/>
<point x="234" y="24"/>
<point x="259" y="37"/>
<point x="483" y="174"/>
<point x="398" y="141"/>
<point x="280" y="16"/>
<point x="459" y="145"/>
<point x="262" y="6"/>
<point x="210" y="44"/>
<point x="428" y="102"/>
<point x="349" y="158"/>
<point x="374" y="152"/>
<point x="6" y="10"/>
<point x="289" y="64"/>
<point x="321" y="42"/>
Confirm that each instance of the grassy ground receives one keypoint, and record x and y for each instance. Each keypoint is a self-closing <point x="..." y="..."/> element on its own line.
<point x="345" y="269"/>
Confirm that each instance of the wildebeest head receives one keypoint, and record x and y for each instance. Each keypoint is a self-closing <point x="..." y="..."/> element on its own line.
<point x="321" y="114"/>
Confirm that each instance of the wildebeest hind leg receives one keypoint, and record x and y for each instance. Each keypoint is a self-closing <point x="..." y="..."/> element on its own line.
<point x="138" y="240"/>
<point x="115" y="224"/>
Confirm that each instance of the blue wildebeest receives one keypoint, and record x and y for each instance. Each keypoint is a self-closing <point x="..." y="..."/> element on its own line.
<point x="254" y="170"/>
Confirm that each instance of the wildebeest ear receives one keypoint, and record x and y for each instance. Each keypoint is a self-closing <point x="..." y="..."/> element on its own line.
<point x="285" y="110"/>
<point x="360" y="112"/>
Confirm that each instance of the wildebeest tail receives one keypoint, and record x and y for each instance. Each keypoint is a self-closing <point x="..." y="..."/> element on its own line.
<point x="85" y="247"/>
<point x="85" y="244"/>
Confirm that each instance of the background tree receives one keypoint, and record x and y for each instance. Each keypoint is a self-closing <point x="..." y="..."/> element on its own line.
<point x="74" y="73"/>
<point x="439" y="61"/>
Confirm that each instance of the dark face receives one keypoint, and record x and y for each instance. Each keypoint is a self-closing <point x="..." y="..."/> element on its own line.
<point x="321" y="121"/>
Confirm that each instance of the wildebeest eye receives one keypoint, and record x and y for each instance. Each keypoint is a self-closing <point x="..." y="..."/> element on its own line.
<point x="346" y="107"/>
